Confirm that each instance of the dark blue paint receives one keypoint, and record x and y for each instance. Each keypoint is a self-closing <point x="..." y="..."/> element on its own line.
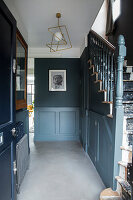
<point x="100" y="145"/>
<point x="56" y="123"/>
<point x="84" y="98"/>
<point x="7" y="103"/>
<point x="23" y="116"/>
<point x="104" y="134"/>
<point x="5" y="169"/>
<point x="44" y="98"/>
<point x="56" y="113"/>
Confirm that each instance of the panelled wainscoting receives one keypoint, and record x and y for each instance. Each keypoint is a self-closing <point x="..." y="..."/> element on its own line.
<point x="56" y="123"/>
<point x="101" y="145"/>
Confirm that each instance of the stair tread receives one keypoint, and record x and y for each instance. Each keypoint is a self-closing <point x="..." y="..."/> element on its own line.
<point x="89" y="61"/>
<point x="128" y="80"/>
<point x="128" y="90"/>
<point x="109" y="193"/>
<point x="125" y="185"/>
<point x="124" y="164"/>
<point x="128" y="116"/>
<point x="127" y="102"/>
<point x="128" y="148"/>
<point x="91" y="66"/>
<point x="102" y="90"/>
<point x="108" y="102"/>
<point x="110" y="116"/>
<point x="94" y="73"/>
<point x="129" y="132"/>
<point x="98" y="81"/>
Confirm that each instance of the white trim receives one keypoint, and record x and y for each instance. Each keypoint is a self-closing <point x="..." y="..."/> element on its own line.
<point x="45" y="53"/>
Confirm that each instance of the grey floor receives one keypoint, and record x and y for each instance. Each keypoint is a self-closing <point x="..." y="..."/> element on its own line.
<point x="60" y="171"/>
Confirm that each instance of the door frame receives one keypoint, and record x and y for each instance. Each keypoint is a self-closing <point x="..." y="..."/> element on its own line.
<point x="9" y="140"/>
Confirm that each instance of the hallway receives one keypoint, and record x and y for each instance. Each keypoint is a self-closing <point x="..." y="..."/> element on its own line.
<point x="60" y="171"/>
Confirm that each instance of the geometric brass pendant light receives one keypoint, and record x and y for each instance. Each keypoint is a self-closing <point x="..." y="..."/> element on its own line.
<point x="60" y="39"/>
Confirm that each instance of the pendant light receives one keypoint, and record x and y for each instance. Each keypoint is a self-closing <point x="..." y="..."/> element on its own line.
<point x="60" y="39"/>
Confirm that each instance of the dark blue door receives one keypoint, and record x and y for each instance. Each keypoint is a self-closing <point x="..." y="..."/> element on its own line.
<point x="7" y="103"/>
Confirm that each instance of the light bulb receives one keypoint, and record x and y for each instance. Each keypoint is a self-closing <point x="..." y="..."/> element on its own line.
<point x="58" y="36"/>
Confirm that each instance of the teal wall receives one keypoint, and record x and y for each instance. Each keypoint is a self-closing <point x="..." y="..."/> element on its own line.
<point x="56" y="123"/>
<point x="57" y="113"/>
<point x="44" y="98"/>
<point x="84" y="98"/>
<point x="100" y="141"/>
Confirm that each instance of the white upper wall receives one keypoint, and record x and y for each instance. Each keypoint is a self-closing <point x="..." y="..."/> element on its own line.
<point x="15" y="13"/>
<point x="99" y="25"/>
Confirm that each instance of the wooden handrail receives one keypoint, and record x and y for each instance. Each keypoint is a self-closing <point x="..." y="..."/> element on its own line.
<point x="103" y="40"/>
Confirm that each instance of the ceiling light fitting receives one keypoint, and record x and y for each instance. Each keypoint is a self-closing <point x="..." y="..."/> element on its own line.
<point x="60" y="37"/>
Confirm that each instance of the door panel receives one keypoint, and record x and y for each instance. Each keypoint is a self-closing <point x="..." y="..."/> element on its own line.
<point x="7" y="103"/>
<point x="5" y="67"/>
<point x="5" y="168"/>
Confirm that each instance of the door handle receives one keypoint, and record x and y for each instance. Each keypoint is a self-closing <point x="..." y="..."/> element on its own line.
<point x="14" y="132"/>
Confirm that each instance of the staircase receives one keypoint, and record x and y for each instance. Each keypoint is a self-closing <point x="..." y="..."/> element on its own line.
<point x="106" y="80"/>
<point x="125" y="165"/>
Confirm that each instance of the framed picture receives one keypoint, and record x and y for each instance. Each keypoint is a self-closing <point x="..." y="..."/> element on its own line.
<point x="57" y="80"/>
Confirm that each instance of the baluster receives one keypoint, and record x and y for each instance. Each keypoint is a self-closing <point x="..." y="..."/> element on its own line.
<point x="106" y="63"/>
<point x="99" y="45"/>
<point x="111" y="77"/>
<point x="103" y="71"/>
<point x="91" y="47"/>
<point x="92" y="44"/>
<point x="101" y="56"/>
<point x="98" y="56"/>
<point x="94" y="51"/>
<point x="108" y="74"/>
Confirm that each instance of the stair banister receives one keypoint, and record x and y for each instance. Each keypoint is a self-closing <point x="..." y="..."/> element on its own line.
<point x="106" y="42"/>
<point x="106" y="65"/>
<point x="102" y="57"/>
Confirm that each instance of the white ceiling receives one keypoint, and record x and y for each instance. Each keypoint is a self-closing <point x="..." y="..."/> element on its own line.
<point x="38" y="15"/>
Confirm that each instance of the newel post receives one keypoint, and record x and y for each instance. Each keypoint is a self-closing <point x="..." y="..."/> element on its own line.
<point x="120" y="54"/>
<point x="118" y="113"/>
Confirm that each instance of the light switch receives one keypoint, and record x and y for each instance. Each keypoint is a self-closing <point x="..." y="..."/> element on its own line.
<point x="1" y="138"/>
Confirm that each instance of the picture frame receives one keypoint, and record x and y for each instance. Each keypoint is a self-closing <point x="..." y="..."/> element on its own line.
<point x="57" y="80"/>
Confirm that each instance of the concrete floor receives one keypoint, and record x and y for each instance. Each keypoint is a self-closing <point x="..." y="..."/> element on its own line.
<point x="60" y="171"/>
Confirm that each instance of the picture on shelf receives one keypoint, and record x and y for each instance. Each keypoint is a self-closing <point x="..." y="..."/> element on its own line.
<point x="57" y="80"/>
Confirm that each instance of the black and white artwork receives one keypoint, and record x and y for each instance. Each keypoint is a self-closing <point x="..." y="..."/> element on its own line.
<point x="57" y="80"/>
